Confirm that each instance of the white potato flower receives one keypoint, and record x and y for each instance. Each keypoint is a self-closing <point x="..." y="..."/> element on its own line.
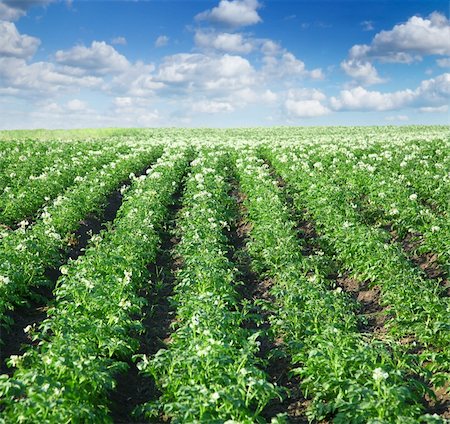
<point x="379" y="374"/>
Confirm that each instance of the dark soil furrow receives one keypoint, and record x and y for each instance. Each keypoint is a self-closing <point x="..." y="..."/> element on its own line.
<point x="373" y="315"/>
<point x="256" y="292"/>
<point x="428" y="262"/>
<point x="133" y="388"/>
<point x="306" y="231"/>
<point x="441" y="404"/>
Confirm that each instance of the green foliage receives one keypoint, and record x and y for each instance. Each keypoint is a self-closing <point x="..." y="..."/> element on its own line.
<point x="89" y="330"/>
<point x="210" y="371"/>
<point x="377" y="198"/>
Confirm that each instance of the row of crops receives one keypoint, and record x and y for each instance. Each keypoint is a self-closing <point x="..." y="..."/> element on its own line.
<point x="246" y="276"/>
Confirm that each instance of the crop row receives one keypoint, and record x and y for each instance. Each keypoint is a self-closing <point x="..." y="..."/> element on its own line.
<point x="67" y="378"/>
<point x="376" y="185"/>
<point x="349" y="375"/>
<point x="368" y="254"/>
<point x="20" y="160"/>
<point x="210" y="370"/>
<point x="25" y="254"/>
<point x="22" y="200"/>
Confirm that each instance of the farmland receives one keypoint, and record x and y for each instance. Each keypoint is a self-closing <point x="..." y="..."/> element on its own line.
<point x="282" y="275"/>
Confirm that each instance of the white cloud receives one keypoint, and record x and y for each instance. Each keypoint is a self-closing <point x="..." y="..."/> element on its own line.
<point x="432" y="92"/>
<point x="417" y="36"/>
<point x="270" y="48"/>
<point x="306" y="103"/>
<point x="11" y="10"/>
<point x="162" y="41"/>
<point x="431" y="109"/>
<point x="404" y="43"/>
<point x="362" y="71"/>
<point x="119" y="41"/>
<point x="359" y="98"/>
<point x="306" y="108"/>
<point x="131" y="102"/>
<point x="78" y="115"/>
<point x="211" y="106"/>
<point x="76" y="105"/>
<point x="8" y="13"/>
<point x="41" y="78"/>
<point x="233" y="13"/>
<point x="137" y="80"/>
<point x="13" y="44"/>
<point x="306" y="94"/>
<point x="123" y="101"/>
<point x="408" y="42"/>
<point x="196" y="71"/>
<point x="291" y="65"/>
<point x="285" y="65"/>
<point x="316" y="74"/>
<point x="143" y="85"/>
<point x="268" y="96"/>
<point x="248" y="95"/>
<point x="226" y="42"/>
<point x="99" y="58"/>
<point x="444" y="63"/>
<point x="130" y="111"/>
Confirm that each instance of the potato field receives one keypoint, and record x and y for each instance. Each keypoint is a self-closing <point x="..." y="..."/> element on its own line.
<point x="279" y="275"/>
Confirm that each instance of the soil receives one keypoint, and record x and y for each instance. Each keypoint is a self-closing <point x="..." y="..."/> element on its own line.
<point x="15" y="339"/>
<point x="368" y="298"/>
<point x="254" y="289"/>
<point x="306" y="230"/>
<point x="133" y="388"/>
<point x="428" y="262"/>
<point x="440" y="405"/>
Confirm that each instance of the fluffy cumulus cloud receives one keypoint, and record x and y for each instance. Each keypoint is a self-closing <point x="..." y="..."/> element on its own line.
<point x="40" y="78"/>
<point x="434" y="92"/>
<point x="306" y="103"/>
<point x="362" y="71"/>
<point x="99" y="58"/>
<point x="213" y="79"/>
<point x="11" y="10"/>
<point x="226" y="42"/>
<point x="77" y="113"/>
<point x="411" y="40"/>
<point x="233" y="13"/>
<point x="404" y="43"/>
<point x="138" y="81"/>
<point x="197" y="71"/>
<point x="284" y="64"/>
<point x="13" y="44"/>
<point x="21" y="78"/>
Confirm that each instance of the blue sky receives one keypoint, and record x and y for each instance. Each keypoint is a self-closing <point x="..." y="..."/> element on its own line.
<point x="223" y="63"/>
